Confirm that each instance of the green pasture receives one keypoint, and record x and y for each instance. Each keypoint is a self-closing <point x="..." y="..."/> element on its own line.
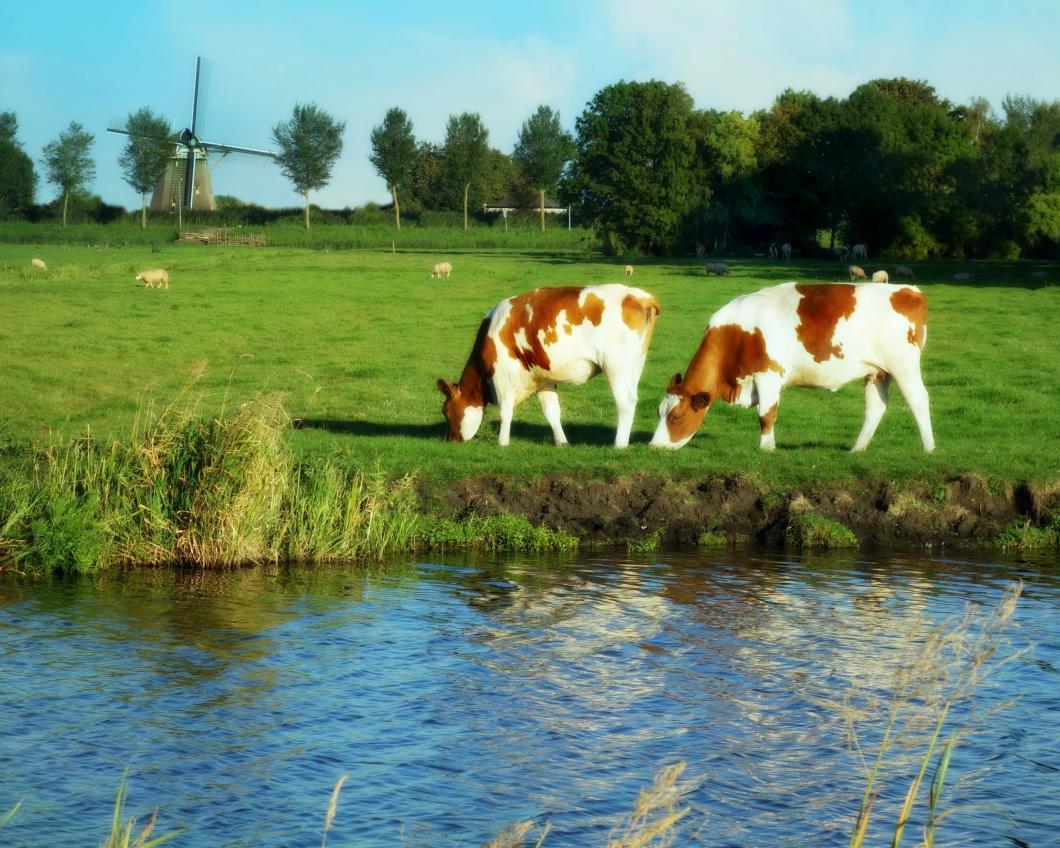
<point x="355" y="340"/>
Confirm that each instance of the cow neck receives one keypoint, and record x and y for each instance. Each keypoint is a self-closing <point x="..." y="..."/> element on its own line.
<point x="474" y="381"/>
<point x="704" y="372"/>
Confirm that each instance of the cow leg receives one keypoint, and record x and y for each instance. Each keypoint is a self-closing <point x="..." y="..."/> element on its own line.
<point x="912" y="387"/>
<point x="506" y="405"/>
<point x="876" y="389"/>
<point x="623" y="382"/>
<point x="768" y="403"/>
<point x="550" y="406"/>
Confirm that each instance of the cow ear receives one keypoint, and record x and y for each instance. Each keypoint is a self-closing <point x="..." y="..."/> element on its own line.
<point x="700" y="400"/>
<point x="447" y="389"/>
<point x="675" y="383"/>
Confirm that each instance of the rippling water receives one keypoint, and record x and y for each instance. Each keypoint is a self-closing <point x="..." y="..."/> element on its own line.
<point x="464" y="695"/>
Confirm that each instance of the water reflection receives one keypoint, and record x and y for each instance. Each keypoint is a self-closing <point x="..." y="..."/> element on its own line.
<point x="463" y="695"/>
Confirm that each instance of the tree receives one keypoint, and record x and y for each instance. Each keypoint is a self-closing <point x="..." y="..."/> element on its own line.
<point x="632" y="168"/>
<point x="729" y="144"/>
<point x="394" y="154"/>
<point x="18" y="179"/>
<point x="542" y="151"/>
<point x="69" y="163"/>
<point x="146" y="155"/>
<point x="310" y="143"/>
<point x="466" y="149"/>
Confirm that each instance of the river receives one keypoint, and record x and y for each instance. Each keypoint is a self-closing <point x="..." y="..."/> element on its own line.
<point x="464" y="694"/>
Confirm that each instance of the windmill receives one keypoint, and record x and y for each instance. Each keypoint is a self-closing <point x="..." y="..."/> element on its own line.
<point x="186" y="182"/>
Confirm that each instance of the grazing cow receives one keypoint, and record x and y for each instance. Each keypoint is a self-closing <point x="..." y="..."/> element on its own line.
<point x="771" y="251"/>
<point x="822" y="336"/>
<point x="534" y="341"/>
<point x="859" y="251"/>
<point x="844" y="252"/>
<point x="785" y="251"/>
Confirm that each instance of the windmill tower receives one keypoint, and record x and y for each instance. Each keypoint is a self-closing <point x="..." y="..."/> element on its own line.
<point x="186" y="183"/>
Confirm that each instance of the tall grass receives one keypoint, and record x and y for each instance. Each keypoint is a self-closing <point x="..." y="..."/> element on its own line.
<point x="183" y="489"/>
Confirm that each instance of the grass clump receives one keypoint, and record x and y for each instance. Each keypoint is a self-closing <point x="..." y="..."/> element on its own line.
<point x="508" y="531"/>
<point x="648" y="544"/>
<point x="810" y="530"/>
<point x="1025" y="536"/>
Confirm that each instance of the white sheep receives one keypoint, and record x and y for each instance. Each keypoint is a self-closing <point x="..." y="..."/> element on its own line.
<point x="856" y="272"/>
<point x="859" y="251"/>
<point x="903" y="271"/>
<point x="719" y="268"/>
<point x="963" y="275"/>
<point x="629" y="270"/>
<point x="154" y="277"/>
<point x="785" y="251"/>
<point x="880" y="277"/>
<point x="441" y="268"/>
<point x="39" y="264"/>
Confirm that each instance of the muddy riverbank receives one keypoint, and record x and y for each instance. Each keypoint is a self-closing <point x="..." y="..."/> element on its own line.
<point x="963" y="510"/>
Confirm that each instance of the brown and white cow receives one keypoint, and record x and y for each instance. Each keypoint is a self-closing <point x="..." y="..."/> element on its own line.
<point x="534" y="341"/>
<point x="822" y="336"/>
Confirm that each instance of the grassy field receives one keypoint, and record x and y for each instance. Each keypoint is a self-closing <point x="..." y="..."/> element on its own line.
<point x="354" y="341"/>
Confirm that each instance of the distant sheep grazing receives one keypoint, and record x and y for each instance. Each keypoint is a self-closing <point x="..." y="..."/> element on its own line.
<point x="39" y="264"/>
<point x="963" y="275"/>
<point x="903" y="271"/>
<point x="629" y="270"/>
<point x="719" y="268"/>
<point x="154" y="278"/>
<point x="859" y="251"/>
<point x="856" y="272"/>
<point x="441" y="268"/>
<point x="785" y="251"/>
<point x="880" y="277"/>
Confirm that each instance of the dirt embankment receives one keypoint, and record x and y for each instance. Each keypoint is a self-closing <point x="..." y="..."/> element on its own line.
<point x="962" y="510"/>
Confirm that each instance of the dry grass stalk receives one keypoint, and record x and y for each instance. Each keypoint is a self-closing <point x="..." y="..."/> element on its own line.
<point x="333" y="808"/>
<point x="656" y="813"/>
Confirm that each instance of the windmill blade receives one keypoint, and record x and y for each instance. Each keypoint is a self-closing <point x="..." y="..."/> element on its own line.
<point x="202" y="89"/>
<point x="231" y="148"/>
<point x="172" y="139"/>
<point x="189" y="180"/>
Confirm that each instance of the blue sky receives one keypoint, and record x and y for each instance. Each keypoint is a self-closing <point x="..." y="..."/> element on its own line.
<point x="93" y="62"/>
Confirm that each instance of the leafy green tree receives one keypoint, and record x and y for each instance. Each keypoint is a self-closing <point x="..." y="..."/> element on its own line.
<point x="18" y="179"/>
<point x="428" y="184"/>
<point x="466" y="151"/>
<point x="68" y="162"/>
<point x="146" y="155"/>
<point x="542" y="151"/>
<point x="730" y="165"/>
<point x="310" y="144"/>
<point x="632" y="171"/>
<point x="394" y="154"/>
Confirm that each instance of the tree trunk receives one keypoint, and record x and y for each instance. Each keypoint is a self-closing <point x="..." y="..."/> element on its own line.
<point x="307" y="210"/>
<point x="143" y="210"/>
<point x="397" y="209"/>
<point x="66" y="200"/>
<point x="542" y="210"/>
<point x="467" y="188"/>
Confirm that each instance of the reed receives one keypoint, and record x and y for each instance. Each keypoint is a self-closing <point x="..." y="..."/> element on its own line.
<point x="950" y="664"/>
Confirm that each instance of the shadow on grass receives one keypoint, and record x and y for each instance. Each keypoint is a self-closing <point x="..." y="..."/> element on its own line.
<point x="577" y="434"/>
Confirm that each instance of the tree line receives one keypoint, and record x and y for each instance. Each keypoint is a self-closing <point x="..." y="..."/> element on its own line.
<point x="892" y="165"/>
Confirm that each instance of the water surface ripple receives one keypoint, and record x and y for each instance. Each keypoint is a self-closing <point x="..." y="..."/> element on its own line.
<point x="464" y="695"/>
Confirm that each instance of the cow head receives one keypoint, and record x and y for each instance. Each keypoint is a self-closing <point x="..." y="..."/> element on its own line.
<point x="462" y="416"/>
<point x="680" y="414"/>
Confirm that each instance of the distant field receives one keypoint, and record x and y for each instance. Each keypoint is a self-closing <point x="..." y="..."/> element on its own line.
<point x="355" y="341"/>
